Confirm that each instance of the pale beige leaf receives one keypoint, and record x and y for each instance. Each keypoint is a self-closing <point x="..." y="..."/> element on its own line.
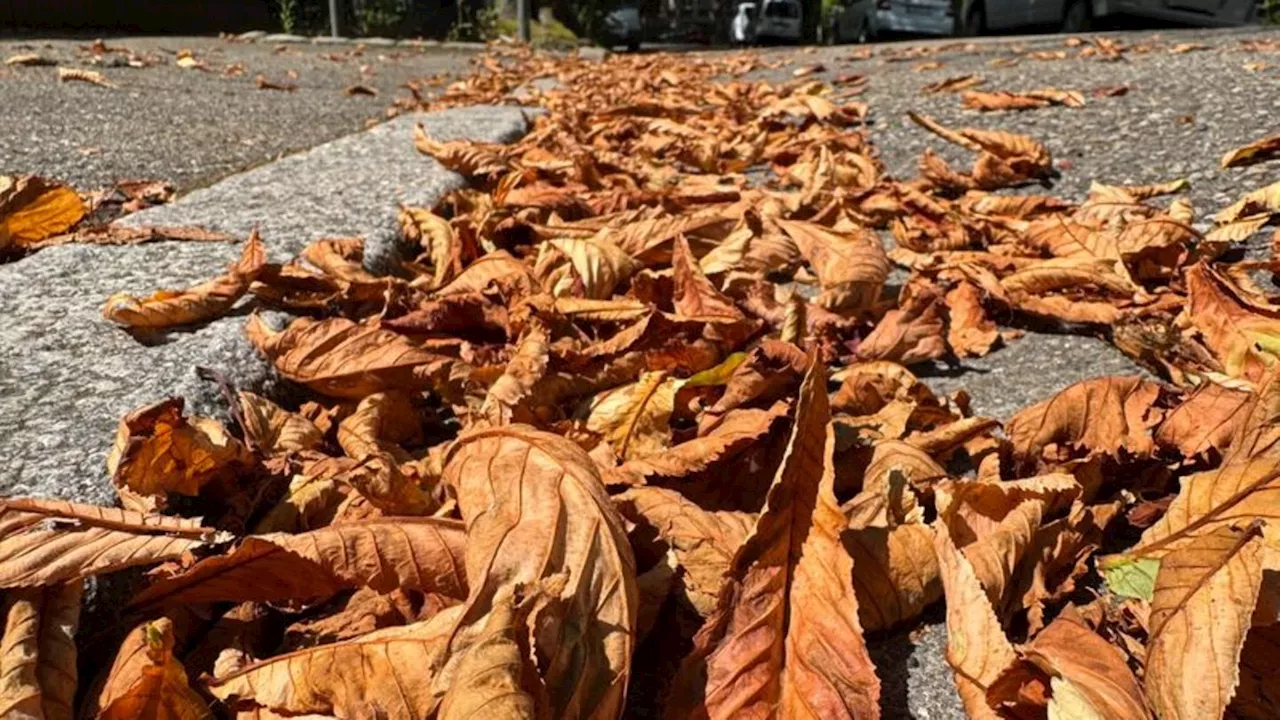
<point x="634" y="418"/>
<point x="977" y="648"/>
<point x="1204" y="596"/>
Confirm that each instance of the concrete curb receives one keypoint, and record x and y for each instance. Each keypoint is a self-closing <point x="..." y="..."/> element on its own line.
<point x="66" y="376"/>
<point x="287" y="39"/>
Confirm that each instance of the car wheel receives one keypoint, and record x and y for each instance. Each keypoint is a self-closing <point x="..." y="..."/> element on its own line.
<point x="1076" y="18"/>
<point x="974" y="21"/>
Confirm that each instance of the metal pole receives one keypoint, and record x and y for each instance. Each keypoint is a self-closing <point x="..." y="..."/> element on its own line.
<point x="522" y="20"/>
<point x="335" y="18"/>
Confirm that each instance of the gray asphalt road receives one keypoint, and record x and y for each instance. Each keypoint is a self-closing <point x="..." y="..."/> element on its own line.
<point x="1182" y="112"/>
<point x="191" y="126"/>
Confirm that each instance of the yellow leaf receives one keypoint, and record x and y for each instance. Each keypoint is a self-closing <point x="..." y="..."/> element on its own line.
<point x="33" y="208"/>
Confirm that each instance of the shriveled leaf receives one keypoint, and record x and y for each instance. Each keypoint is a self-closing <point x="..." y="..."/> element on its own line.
<point x="1096" y="670"/>
<point x="535" y="507"/>
<point x="1255" y="152"/>
<point x="1244" y="336"/>
<point x="159" y="451"/>
<point x="345" y="359"/>
<point x="896" y="573"/>
<point x="147" y="681"/>
<point x="207" y="301"/>
<point x="395" y="665"/>
<point x="851" y="267"/>
<point x="704" y="542"/>
<point x="385" y="554"/>
<point x="737" y="431"/>
<point x="270" y="429"/>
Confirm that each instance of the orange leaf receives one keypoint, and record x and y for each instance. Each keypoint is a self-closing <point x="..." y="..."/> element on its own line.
<point x="784" y="639"/>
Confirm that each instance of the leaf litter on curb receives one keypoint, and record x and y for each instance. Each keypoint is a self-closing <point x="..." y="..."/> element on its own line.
<point x="632" y="433"/>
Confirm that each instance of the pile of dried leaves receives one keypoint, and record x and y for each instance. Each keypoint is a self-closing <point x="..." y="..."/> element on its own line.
<point x="582" y="457"/>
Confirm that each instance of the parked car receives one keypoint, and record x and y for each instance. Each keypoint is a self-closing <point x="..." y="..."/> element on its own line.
<point x="623" y="27"/>
<point x="853" y="21"/>
<point x="918" y="17"/>
<point x="779" y="21"/>
<point x="1077" y="15"/>
<point x="938" y="17"/>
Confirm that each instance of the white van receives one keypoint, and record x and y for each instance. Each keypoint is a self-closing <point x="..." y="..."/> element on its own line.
<point x="779" y="21"/>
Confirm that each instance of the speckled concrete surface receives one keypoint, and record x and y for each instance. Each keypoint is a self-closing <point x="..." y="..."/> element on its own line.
<point x="191" y="127"/>
<point x="66" y="375"/>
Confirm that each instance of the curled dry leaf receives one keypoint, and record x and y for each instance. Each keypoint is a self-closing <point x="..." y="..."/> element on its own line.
<point x="270" y="429"/>
<point x="704" y="542"/>
<point x="345" y="359"/>
<point x="851" y="268"/>
<point x="784" y="636"/>
<point x="1255" y="152"/>
<point x="33" y="209"/>
<point x="93" y="77"/>
<point x="1243" y="335"/>
<point x="1099" y="677"/>
<point x="159" y="451"/>
<point x="146" y="680"/>
<point x="43" y="542"/>
<point x="386" y="554"/>
<point x="199" y="303"/>
<point x="535" y="507"/>
<point x="1001" y="100"/>
<point x="737" y="431"/>
<point x="38" y="652"/>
